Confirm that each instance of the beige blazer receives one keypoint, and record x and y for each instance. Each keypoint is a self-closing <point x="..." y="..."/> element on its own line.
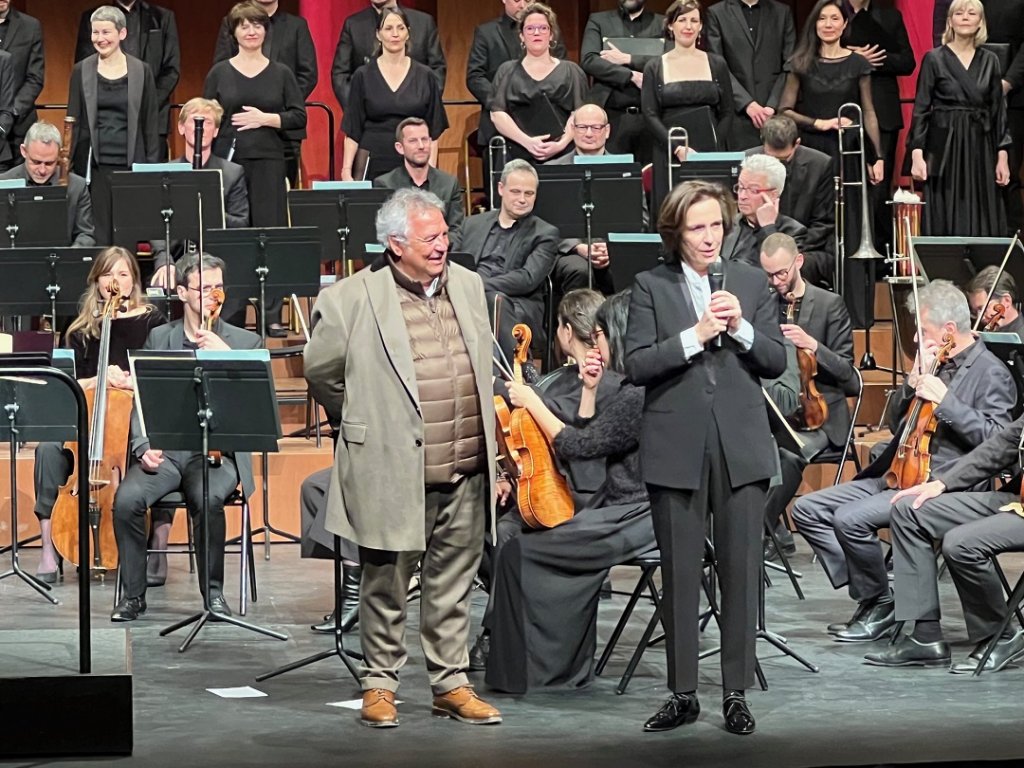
<point x="359" y="366"/>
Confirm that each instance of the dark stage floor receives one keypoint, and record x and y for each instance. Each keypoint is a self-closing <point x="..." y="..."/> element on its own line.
<point x="848" y="714"/>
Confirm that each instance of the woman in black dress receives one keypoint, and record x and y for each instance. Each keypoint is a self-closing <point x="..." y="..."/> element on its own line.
<point x="543" y="617"/>
<point x="128" y="331"/>
<point x="263" y="100"/>
<point x="385" y="91"/>
<point x="685" y="88"/>
<point x="112" y="96"/>
<point x="958" y="137"/>
<point x="535" y="96"/>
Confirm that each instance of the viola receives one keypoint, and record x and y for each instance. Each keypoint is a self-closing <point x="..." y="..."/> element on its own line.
<point x="997" y="314"/>
<point x="812" y="412"/>
<point x="912" y="463"/>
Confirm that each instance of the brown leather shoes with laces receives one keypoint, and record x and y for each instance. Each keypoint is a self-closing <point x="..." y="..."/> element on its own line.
<point x="464" y="705"/>
<point x="379" y="709"/>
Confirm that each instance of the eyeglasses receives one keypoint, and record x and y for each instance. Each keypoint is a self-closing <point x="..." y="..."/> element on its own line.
<point x="536" y="29"/>
<point x="739" y="189"/>
<point x="782" y="274"/>
<point x="590" y="128"/>
<point x="207" y="289"/>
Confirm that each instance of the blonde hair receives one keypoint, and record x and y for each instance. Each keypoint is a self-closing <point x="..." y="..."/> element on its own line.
<point x="90" y="306"/>
<point x="980" y="36"/>
<point x="199" y="104"/>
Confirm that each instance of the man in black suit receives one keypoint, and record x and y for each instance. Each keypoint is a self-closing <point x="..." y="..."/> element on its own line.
<point x="817" y="323"/>
<point x="514" y="252"/>
<point x="973" y="394"/>
<point x="159" y="473"/>
<point x="287" y="42"/>
<point x="413" y="143"/>
<point x="1004" y="294"/>
<point x="756" y="38"/>
<point x="358" y="44"/>
<point x="701" y="336"/>
<point x="809" y="196"/>
<point x="40" y="153"/>
<point x="618" y="75"/>
<point x="153" y="38"/>
<point x="877" y="33"/>
<point x="22" y="37"/>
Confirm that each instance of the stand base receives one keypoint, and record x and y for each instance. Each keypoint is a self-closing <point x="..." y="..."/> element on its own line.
<point x="40" y="587"/>
<point x="338" y="651"/>
<point x="200" y="619"/>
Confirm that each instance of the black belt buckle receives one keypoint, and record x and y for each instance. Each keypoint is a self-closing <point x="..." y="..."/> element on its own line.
<point x="632" y="110"/>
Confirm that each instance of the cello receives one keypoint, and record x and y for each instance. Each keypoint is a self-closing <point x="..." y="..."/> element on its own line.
<point x="110" y="412"/>
<point x="813" y="410"/>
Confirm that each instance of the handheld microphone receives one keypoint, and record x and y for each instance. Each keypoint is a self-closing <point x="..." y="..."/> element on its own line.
<point x="716" y="280"/>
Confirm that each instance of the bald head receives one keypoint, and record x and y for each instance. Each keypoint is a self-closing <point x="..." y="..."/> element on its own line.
<point x="590" y="125"/>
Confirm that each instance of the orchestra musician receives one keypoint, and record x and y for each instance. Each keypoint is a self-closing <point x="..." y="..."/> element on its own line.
<point x="974" y="526"/>
<point x="400" y="355"/>
<point x="21" y="36"/>
<point x="1005" y="295"/>
<point x="157" y="473"/>
<point x="815" y="321"/>
<point x="973" y="395"/>
<point x="128" y="330"/>
<point x="706" y="447"/>
<point x="41" y="153"/>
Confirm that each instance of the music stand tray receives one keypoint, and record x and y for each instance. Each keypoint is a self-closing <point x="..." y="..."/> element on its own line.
<point x="165" y="205"/>
<point x="27" y="216"/>
<point x="41" y="281"/>
<point x="958" y="259"/>
<point x="345" y="219"/>
<point x="630" y="254"/>
<point x="719" y="167"/>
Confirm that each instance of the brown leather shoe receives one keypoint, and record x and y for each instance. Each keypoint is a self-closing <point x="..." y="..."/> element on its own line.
<point x="379" y="709"/>
<point x="464" y="705"/>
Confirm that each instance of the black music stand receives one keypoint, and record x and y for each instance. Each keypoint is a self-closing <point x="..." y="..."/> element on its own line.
<point x="960" y="258"/>
<point x="27" y="215"/>
<point x="588" y="201"/>
<point x="345" y="219"/>
<point x="632" y="253"/>
<point x="719" y="167"/>
<point x="1008" y="348"/>
<point x="39" y="281"/>
<point x="232" y="396"/>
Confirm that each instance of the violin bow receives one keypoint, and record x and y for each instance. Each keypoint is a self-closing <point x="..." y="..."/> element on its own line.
<point x="1002" y="267"/>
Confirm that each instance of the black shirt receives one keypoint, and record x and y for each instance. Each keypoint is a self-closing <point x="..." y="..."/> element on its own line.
<point x="752" y="15"/>
<point x="111" y="121"/>
<point x="132" y="42"/>
<point x="126" y="334"/>
<point x="492" y="256"/>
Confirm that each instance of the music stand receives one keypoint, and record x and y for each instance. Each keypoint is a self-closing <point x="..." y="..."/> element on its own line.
<point x="344" y="219"/>
<point x="719" y="167"/>
<point x="1008" y="348"/>
<point x="589" y="201"/>
<point x="27" y="215"/>
<point x="960" y="258"/>
<point x="632" y="253"/>
<point x="35" y="278"/>
<point x="232" y="396"/>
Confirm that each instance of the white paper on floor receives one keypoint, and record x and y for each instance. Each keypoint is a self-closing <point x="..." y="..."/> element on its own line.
<point x="353" y="704"/>
<point x="243" y="692"/>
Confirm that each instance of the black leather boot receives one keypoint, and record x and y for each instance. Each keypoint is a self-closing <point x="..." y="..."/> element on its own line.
<point x="351" y="576"/>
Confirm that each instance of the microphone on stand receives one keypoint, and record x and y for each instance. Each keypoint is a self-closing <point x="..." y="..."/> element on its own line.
<point x="716" y="280"/>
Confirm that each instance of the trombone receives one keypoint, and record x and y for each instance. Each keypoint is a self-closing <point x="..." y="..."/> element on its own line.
<point x="497" y="147"/>
<point x="677" y="137"/>
<point x="865" y="249"/>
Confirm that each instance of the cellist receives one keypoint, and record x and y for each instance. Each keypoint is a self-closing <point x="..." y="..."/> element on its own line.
<point x="815" y="321"/>
<point x="129" y="330"/>
<point x="973" y="394"/>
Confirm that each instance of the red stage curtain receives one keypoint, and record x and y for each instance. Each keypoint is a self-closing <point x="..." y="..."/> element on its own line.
<point x="917" y="16"/>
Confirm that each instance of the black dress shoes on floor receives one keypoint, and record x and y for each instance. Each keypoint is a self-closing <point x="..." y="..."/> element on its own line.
<point x="839" y="626"/>
<point x="350" y="580"/>
<point x="129" y="609"/>
<point x="219" y="606"/>
<point x="738" y="719"/>
<point x="1007" y="651"/>
<point x="680" y="709"/>
<point x="479" y="652"/>
<point x="909" y="652"/>
<point x="877" y="622"/>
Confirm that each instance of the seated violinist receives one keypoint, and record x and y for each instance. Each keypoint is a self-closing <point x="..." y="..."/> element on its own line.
<point x="1001" y="315"/>
<point x="818" y="325"/>
<point x="972" y="394"/>
<point x="159" y="473"/>
<point x="542" y="614"/>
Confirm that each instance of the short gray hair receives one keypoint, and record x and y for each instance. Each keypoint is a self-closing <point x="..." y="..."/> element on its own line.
<point x="109" y="13"/>
<point x="769" y="167"/>
<point x="944" y="303"/>
<point x="518" y="166"/>
<point x="393" y="216"/>
<point x="44" y="132"/>
<point x="191" y="262"/>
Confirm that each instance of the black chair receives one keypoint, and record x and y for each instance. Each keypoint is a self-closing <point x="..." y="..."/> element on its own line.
<point x="1013" y="603"/>
<point x="840" y="456"/>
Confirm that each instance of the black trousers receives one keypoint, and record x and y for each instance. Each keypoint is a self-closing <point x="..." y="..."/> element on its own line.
<point x="317" y="541"/>
<point x="680" y="523"/>
<point x="629" y="134"/>
<point x="140" y="489"/>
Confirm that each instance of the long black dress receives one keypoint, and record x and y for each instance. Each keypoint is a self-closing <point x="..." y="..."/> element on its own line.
<point x="261" y="151"/>
<point x="374" y="112"/>
<point x="543" y="617"/>
<point x="960" y="125"/>
<point x="702" y="107"/>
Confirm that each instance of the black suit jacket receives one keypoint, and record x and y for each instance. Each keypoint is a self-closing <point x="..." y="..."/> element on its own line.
<point x="358" y="44"/>
<point x="81" y="230"/>
<point x="731" y="250"/>
<point x="442" y="184"/>
<point x="1005" y="21"/>
<point x="719" y="388"/>
<point x="494" y="42"/>
<point x="531" y="254"/>
<point x="883" y="26"/>
<point x="158" y="48"/>
<point x="755" y="65"/>
<point x="997" y="453"/>
<point x="24" y="41"/>
<point x="7" y="91"/>
<point x="610" y="77"/>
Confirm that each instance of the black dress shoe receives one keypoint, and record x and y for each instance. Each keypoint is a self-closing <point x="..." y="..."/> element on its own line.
<point x="738" y="719"/>
<point x="479" y="652"/>
<point x="877" y="622"/>
<point x="680" y="709"/>
<point x="326" y="626"/>
<point x="858" y="614"/>
<point x="219" y="606"/>
<point x="908" y="652"/>
<point x="129" y="609"/>
<point x="276" y="331"/>
<point x="1007" y="651"/>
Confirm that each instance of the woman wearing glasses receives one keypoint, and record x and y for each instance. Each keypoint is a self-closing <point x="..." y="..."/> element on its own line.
<point x="535" y="96"/>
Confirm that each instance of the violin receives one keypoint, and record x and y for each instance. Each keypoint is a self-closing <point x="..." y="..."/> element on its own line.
<point x="912" y="463"/>
<point x="110" y="413"/>
<point x="217" y="301"/>
<point x="543" y="495"/>
<point x="997" y="314"/>
<point x="812" y="412"/>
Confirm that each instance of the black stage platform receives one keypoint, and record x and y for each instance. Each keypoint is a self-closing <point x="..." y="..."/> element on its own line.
<point x="849" y="714"/>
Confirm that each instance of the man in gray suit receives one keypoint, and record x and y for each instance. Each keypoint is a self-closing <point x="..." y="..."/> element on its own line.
<point x="401" y="356"/>
<point x="973" y="394"/>
<point x="41" y="151"/>
<point x="159" y="473"/>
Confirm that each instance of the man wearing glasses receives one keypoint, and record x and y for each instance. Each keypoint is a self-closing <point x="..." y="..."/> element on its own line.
<point x="816" y="321"/>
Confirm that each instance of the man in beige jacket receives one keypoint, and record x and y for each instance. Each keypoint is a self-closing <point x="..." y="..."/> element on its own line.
<point x="401" y="355"/>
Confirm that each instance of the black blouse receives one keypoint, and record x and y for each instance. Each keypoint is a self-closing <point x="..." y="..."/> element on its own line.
<point x="126" y="334"/>
<point x="111" y="120"/>
<point x="514" y="89"/>
<point x="373" y="108"/>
